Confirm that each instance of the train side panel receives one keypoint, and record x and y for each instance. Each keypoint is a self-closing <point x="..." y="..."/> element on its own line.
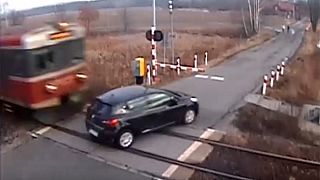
<point x="34" y="92"/>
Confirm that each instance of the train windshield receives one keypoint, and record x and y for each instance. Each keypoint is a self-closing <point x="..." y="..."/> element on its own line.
<point x="34" y="62"/>
<point x="56" y="57"/>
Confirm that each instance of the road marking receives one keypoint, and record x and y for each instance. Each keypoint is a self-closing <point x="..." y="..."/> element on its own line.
<point x="193" y="147"/>
<point x="218" y="78"/>
<point x="43" y="130"/>
<point x="33" y="135"/>
<point x="215" y="130"/>
<point x="201" y="76"/>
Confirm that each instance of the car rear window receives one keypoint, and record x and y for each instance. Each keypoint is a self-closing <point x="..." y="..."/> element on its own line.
<point x="101" y="108"/>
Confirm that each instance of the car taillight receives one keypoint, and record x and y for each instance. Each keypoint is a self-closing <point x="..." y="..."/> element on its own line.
<point x="112" y="123"/>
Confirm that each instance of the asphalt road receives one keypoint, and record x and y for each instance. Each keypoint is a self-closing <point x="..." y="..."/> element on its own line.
<point x="242" y="74"/>
<point x="44" y="159"/>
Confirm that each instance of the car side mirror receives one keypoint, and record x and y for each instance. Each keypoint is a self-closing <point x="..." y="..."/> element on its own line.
<point x="173" y="101"/>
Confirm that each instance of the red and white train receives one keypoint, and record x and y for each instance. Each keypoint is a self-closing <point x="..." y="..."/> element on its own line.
<point x="43" y="67"/>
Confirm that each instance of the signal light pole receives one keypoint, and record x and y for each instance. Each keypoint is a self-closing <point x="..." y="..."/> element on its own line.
<point x="153" y="43"/>
<point x="170" y="6"/>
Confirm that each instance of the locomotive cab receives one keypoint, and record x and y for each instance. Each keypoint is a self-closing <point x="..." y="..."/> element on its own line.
<point x="44" y="67"/>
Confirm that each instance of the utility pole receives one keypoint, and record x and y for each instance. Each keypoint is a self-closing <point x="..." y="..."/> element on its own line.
<point x="170" y="5"/>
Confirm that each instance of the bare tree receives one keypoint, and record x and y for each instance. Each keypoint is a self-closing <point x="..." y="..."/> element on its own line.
<point x="87" y="15"/>
<point x="16" y="18"/>
<point x="4" y="12"/>
<point x="244" y="23"/>
<point x="125" y="19"/>
<point x="255" y="7"/>
<point x="314" y="8"/>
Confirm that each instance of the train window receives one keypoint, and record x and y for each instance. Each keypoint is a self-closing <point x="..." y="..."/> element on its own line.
<point x="45" y="60"/>
<point x="18" y="67"/>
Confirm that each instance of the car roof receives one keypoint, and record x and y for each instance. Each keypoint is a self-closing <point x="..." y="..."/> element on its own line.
<point x="124" y="94"/>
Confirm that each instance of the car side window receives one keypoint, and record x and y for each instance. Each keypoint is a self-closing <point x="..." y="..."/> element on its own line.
<point x="136" y="104"/>
<point x="157" y="100"/>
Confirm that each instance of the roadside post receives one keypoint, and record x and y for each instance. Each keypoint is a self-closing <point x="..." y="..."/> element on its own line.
<point x="178" y="65"/>
<point x="272" y="78"/>
<point x="195" y="61"/>
<point x="206" y="58"/>
<point x="282" y="68"/>
<point x="149" y="75"/>
<point x="278" y="72"/>
<point x="264" y="85"/>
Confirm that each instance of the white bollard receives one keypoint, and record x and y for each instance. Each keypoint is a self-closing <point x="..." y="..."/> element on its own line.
<point x="195" y="61"/>
<point x="265" y="83"/>
<point x="277" y="72"/>
<point x="206" y="58"/>
<point x="178" y="66"/>
<point x="148" y="74"/>
<point x="272" y="78"/>
<point x="282" y="68"/>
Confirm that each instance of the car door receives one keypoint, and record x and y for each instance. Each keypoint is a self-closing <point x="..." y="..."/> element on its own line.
<point x="175" y="110"/>
<point x="139" y="116"/>
<point x="165" y="107"/>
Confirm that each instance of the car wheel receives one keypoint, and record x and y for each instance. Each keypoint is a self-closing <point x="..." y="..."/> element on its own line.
<point x="124" y="139"/>
<point x="189" y="117"/>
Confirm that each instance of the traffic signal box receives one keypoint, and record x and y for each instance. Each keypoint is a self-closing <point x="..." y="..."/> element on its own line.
<point x="139" y="69"/>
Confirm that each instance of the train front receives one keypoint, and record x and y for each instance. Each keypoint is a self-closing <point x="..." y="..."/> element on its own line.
<point x="49" y="69"/>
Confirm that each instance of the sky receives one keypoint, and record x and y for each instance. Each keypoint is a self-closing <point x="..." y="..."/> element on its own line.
<point x="28" y="4"/>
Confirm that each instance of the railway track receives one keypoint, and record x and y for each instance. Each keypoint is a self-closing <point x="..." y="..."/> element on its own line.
<point x="139" y="152"/>
<point x="190" y="165"/>
<point x="192" y="138"/>
<point x="243" y="149"/>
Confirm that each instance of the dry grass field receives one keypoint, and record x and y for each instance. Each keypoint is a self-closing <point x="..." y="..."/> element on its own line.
<point x="109" y="56"/>
<point x="301" y="83"/>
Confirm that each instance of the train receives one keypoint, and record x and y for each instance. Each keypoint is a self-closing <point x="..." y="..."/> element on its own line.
<point x="43" y="67"/>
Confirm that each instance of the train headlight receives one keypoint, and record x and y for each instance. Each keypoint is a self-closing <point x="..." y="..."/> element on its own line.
<point x="51" y="88"/>
<point x="82" y="76"/>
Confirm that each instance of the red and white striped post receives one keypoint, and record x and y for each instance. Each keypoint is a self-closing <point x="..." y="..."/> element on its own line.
<point x="282" y="68"/>
<point x="278" y="72"/>
<point x="264" y="85"/>
<point x="148" y="75"/>
<point x="195" y="61"/>
<point x="153" y="54"/>
<point x="178" y="66"/>
<point x="206" y="58"/>
<point x="272" y="78"/>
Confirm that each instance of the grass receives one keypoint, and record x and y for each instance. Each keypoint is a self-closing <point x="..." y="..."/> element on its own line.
<point x="301" y="82"/>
